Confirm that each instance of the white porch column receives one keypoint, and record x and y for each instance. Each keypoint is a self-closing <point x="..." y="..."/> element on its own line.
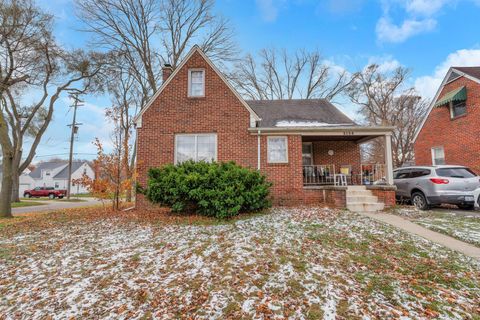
<point x="389" y="158"/>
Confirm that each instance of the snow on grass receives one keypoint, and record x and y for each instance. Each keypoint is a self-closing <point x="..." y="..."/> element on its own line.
<point x="313" y="263"/>
<point x="461" y="225"/>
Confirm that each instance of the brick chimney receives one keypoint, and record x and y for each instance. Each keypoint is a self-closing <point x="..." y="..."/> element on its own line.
<point x="166" y="71"/>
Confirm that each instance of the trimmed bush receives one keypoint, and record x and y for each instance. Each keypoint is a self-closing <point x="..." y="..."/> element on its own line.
<point x="218" y="190"/>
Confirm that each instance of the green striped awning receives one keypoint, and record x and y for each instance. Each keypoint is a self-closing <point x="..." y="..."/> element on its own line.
<point x="459" y="94"/>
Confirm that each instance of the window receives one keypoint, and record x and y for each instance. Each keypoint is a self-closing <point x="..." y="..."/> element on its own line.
<point x="401" y="174"/>
<point x="458" y="108"/>
<point x="455" y="173"/>
<point x="438" y="156"/>
<point x="196" y="83"/>
<point x="307" y="154"/>
<point x="47" y="173"/>
<point x="57" y="185"/>
<point x="196" y="147"/>
<point x="419" y="173"/>
<point x="277" y="150"/>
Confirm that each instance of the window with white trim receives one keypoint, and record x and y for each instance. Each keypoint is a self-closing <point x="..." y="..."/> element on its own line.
<point x="458" y="108"/>
<point x="196" y="82"/>
<point x="277" y="149"/>
<point x="196" y="147"/>
<point x="438" y="156"/>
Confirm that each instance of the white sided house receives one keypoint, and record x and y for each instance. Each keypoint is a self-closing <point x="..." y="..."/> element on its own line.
<point x="55" y="174"/>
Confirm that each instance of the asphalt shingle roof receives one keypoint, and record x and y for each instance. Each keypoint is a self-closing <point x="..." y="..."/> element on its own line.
<point x="471" y="71"/>
<point x="51" y="165"/>
<point x="64" y="173"/>
<point x="277" y="113"/>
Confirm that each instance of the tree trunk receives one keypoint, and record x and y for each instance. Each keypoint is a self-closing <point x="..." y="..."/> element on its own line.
<point x="15" y="186"/>
<point x="6" y="193"/>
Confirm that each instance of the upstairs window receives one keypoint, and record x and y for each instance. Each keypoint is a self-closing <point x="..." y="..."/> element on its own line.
<point x="458" y="108"/>
<point x="438" y="156"/>
<point x="196" y="83"/>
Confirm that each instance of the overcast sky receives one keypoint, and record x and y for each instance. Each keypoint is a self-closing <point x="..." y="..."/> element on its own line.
<point x="427" y="36"/>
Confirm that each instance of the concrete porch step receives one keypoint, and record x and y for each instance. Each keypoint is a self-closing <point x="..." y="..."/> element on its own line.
<point x="358" y="193"/>
<point x="365" y="206"/>
<point x="356" y="188"/>
<point x="362" y="198"/>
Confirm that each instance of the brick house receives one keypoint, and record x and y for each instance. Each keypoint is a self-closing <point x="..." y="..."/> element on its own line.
<point x="450" y="131"/>
<point x="307" y="148"/>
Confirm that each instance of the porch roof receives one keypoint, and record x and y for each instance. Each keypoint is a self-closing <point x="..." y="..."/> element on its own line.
<point x="359" y="134"/>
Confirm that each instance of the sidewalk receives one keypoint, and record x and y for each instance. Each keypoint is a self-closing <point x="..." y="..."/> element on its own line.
<point x="444" y="240"/>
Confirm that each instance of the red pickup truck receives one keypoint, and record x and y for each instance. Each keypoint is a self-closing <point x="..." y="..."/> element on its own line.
<point x="50" y="192"/>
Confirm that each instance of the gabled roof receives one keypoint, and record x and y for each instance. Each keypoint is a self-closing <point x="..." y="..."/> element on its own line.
<point x="195" y="48"/>
<point x="52" y="165"/>
<point x="49" y="165"/>
<point x="299" y="112"/>
<point x="472" y="73"/>
<point x="63" y="174"/>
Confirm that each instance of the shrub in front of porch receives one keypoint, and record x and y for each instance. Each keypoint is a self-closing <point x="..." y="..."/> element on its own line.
<point x="219" y="190"/>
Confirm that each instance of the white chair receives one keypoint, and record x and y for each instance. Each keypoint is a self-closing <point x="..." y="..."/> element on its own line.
<point x="340" y="179"/>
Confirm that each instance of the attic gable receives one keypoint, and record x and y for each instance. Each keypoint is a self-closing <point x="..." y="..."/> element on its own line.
<point x="195" y="49"/>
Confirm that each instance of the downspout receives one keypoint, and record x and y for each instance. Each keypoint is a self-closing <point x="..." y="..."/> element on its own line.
<point x="258" y="150"/>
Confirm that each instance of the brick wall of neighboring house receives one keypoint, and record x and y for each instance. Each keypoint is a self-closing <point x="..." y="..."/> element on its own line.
<point x="458" y="137"/>
<point x="344" y="153"/>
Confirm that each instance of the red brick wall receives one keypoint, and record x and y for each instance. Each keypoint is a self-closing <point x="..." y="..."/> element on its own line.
<point x="345" y="153"/>
<point x="221" y="112"/>
<point x="459" y="137"/>
<point x="385" y="196"/>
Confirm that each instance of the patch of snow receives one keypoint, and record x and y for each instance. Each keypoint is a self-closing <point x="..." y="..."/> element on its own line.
<point x="293" y="123"/>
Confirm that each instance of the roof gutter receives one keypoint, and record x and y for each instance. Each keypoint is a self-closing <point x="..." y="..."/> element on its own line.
<point x="353" y="130"/>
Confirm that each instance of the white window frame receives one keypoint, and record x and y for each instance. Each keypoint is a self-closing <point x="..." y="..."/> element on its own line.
<point x="452" y="115"/>
<point x="190" y="82"/>
<point x="433" y="154"/>
<point x="268" y="148"/>
<point x="196" y="135"/>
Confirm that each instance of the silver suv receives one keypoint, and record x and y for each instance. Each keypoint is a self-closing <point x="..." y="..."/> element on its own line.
<point x="427" y="186"/>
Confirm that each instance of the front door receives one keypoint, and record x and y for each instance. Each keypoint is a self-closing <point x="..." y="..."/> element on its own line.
<point x="307" y="153"/>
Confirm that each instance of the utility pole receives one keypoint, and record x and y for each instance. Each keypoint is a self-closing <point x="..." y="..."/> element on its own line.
<point x="76" y="103"/>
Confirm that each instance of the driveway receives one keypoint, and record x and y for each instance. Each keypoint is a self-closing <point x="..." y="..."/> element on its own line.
<point x="51" y="205"/>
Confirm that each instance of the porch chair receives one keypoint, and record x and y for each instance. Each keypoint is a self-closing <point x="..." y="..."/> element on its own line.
<point x="344" y="175"/>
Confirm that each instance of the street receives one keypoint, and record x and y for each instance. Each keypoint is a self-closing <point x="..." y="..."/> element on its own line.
<point x="51" y="205"/>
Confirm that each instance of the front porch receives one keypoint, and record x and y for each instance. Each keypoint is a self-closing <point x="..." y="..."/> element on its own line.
<point x="336" y="160"/>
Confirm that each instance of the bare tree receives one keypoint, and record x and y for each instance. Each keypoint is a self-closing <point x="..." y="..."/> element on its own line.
<point x="149" y="33"/>
<point x="125" y="95"/>
<point x="31" y="61"/>
<point x="278" y="74"/>
<point x="385" y="100"/>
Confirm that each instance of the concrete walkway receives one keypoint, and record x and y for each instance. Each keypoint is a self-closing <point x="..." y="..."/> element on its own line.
<point x="444" y="240"/>
<point x="52" y="205"/>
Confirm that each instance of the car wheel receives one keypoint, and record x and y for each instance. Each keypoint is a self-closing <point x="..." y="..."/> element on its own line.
<point x="51" y="196"/>
<point x="466" y="206"/>
<point x="61" y="197"/>
<point x="27" y="195"/>
<point x="419" y="201"/>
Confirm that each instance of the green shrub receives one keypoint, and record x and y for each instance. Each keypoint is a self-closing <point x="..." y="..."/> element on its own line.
<point x="218" y="190"/>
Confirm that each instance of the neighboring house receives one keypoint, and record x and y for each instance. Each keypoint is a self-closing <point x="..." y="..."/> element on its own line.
<point x="25" y="181"/>
<point x="55" y="174"/>
<point x="303" y="146"/>
<point x="450" y="132"/>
